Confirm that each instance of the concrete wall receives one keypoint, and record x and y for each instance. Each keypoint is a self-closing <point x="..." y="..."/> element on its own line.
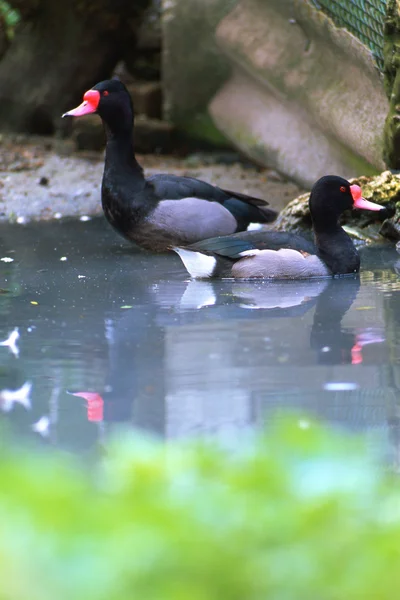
<point x="281" y="82"/>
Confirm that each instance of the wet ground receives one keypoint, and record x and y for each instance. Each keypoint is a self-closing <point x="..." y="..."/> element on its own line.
<point x="180" y="358"/>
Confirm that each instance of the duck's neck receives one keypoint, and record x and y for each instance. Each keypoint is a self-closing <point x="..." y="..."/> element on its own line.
<point x="120" y="154"/>
<point x="336" y="248"/>
<point x="126" y="196"/>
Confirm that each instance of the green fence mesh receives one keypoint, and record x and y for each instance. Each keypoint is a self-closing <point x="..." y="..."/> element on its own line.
<point x="363" y="18"/>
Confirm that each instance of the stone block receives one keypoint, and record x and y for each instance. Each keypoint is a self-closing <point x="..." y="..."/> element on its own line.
<point x="147" y="98"/>
<point x="4" y="38"/>
<point x="304" y="96"/>
<point x="154" y="136"/>
<point x="88" y="134"/>
<point x="149" y="33"/>
<point x="280" y="81"/>
<point x="193" y="66"/>
<point x="150" y="135"/>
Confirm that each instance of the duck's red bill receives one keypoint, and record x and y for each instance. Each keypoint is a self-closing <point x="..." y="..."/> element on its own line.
<point x="89" y="105"/>
<point x="356" y="354"/>
<point x="360" y="202"/>
<point x="95" y="404"/>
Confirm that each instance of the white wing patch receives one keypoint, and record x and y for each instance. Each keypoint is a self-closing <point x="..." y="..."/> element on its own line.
<point x="252" y="252"/>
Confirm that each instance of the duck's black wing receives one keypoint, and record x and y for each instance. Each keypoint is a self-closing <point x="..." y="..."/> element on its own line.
<point x="231" y="246"/>
<point x="245" y="209"/>
<point x="171" y="187"/>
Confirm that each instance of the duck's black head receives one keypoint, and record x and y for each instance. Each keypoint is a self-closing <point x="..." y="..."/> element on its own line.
<point x="331" y="196"/>
<point x="111" y="101"/>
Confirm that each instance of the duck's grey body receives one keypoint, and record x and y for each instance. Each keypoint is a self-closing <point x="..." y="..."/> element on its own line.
<point x="255" y="264"/>
<point x="279" y="264"/>
<point x="187" y="221"/>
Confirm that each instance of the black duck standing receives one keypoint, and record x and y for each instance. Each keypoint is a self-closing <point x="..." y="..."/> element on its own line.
<point x="162" y="210"/>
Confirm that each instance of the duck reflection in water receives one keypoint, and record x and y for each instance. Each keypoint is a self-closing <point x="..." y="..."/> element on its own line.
<point x="162" y="349"/>
<point x="142" y="343"/>
<point x="335" y="344"/>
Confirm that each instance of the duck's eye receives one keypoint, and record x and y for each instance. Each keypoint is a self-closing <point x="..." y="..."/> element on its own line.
<point x="342" y="188"/>
<point x="105" y="93"/>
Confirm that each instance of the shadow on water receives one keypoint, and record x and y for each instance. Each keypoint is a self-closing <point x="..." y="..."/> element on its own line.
<point x="179" y="357"/>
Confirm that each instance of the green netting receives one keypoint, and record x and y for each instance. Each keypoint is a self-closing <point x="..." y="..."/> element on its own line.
<point x="363" y="18"/>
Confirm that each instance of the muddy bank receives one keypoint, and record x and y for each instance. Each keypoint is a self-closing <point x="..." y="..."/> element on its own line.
<point x="43" y="179"/>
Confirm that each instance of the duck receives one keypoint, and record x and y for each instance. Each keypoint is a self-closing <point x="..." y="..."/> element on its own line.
<point x="285" y="255"/>
<point x="162" y="210"/>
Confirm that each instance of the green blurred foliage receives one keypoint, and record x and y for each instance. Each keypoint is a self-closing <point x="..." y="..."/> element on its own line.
<point x="10" y="15"/>
<point x="298" y="514"/>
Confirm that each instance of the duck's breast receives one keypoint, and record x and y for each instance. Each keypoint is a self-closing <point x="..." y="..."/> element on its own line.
<point x="279" y="264"/>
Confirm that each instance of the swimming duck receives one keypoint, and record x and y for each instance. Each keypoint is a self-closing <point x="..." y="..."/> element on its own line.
<point x="163" y="210"/>
<point x="282" y="255"/>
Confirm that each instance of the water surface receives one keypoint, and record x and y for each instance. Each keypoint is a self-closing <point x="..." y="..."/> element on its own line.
<point x="177" y="357"/>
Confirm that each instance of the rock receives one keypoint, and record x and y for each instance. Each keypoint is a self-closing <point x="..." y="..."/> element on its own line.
<point x="64" y="146"/>
<point x="196" y="159"/>
<point x="293" y="100"/>
<point x="121" y="72"/>
<point x="274" y="175"/>
<point x="295" y="216"/>
<point x="144" y="65"/>
<point x="4" y="38"/>
<point x="143" y="55"/>
<point x="26" y="8"/>
<point x="390" y="230"/>
<point x="88" y="134"/>
<point x="383" y="189"/>
<point x="57" y="54"/>
<point x="149" y="34"/>
<point x="147" y="98"/>
<point x="150" y="136"/>
<point x="288" y="88"/>
<point x="154" y="136"/>
<point x="193" y="65"/>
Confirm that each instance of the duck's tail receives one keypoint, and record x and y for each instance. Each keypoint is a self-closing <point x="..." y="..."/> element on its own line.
<point x="246" y="212"/>
<point x="197" y="264"/>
